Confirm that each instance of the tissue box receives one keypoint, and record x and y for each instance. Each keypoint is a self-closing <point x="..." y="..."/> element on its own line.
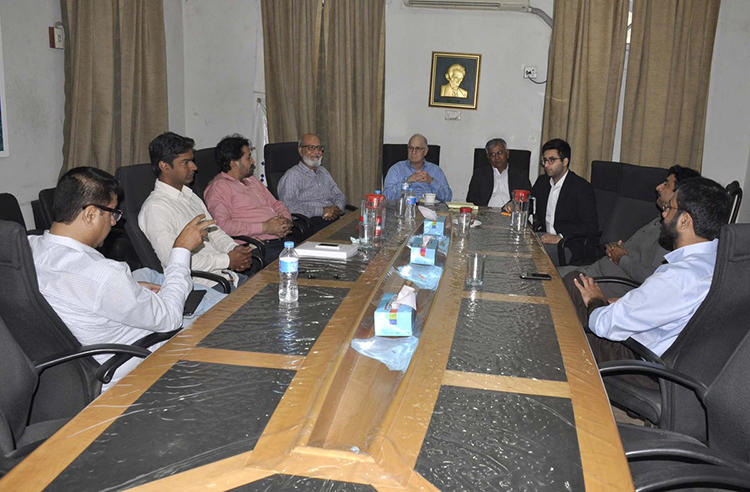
<point x="423" y="255"/>
<point x="435" y="227"/>
<point x="394" y="322"/>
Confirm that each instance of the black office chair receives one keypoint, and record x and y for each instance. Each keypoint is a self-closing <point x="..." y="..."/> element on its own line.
<point x="205" y="161"/>
<point x="11" y="210"/>
<point x="41" y="333"/>
<point x="393" y="153"/>
<point x="735" y="194"/>
<point x="662" y="459"/>
<point x="19" y="378"/>
<point x="703" y="346"/>
<point x="46" y="201"/>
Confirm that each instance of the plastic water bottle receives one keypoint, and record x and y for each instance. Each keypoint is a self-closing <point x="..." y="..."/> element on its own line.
<point x="288" y="266"/>
<point x="402" y="199"/>
<point x="411" y="207"/>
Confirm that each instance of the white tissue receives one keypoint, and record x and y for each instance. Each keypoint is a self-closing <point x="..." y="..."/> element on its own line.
<point x="427" y="213"/>
<point x="406" y="296"/>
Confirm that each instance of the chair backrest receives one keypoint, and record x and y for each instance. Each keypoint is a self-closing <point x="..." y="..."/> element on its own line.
<point x="205" y="161"/>
<point x="713" y="333"/>
<point x="46" y="201"/>
<point x="279" y="157"/>
<point x="137" y="183"/>
<point x="393" y="153"/>
<point x="64" y="389"/>
<point x="10" y="209"/>
<point x="728" y="405"/>
<point x="18" y="380"/>
<point x="735" y="193"/>
<point x="516" y="157"/>
<point x="625" y="197"/>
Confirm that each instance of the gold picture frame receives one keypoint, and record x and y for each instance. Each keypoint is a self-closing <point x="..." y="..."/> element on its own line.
<point x="454" y="80"/>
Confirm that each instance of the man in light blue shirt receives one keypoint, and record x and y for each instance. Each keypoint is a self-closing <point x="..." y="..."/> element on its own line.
<point x="422" y="176"/>
<point x="655" y="313"/>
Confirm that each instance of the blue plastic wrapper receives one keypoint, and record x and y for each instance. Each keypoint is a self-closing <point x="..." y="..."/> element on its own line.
<point x="395" y="353"/>
<point x="423" y="276"/>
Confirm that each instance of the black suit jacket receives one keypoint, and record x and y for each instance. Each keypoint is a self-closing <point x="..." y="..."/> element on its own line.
<point x="483" y="182"/>
<point x="575" y="214"/>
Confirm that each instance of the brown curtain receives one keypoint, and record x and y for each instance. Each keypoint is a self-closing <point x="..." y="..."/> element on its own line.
<point x="666" y="88"/>
<point x="115" y="81"/>
<point x="352" y="90"/>
<point x="584" y="78"/>
<point x="291" y="47"/>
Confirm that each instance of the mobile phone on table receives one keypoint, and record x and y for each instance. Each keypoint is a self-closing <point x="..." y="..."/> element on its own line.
<point x="193" y="299"/>
<point x="536" y="276"/>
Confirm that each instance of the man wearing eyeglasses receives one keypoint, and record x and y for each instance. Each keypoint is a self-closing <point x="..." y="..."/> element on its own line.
<point x="422" y="176"/>
<point x="491" y="186"/>
<point x="239" y="202"/>
<point x="565" y="204"/>
<point x="309" y="189"/>
<point x="99" y="299"/>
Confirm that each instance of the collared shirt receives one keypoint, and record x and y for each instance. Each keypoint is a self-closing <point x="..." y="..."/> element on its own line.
<point x="98" y="299"/>
<point x="554" y="195"/>
<point x="656" y="312"/>
<point x="308" y="192"/>
<point x="400" y="172"/>
<point x="500" y="189"/>
<point x="165" y="213"/>
<point x="241" y="207"/>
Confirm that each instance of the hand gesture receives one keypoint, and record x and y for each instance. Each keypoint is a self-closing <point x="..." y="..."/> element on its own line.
<point x="278" y="226"/>
<point x="331" y="212"/>
<point x="240" y="258"/>
<point x="588" y="288"/>
<point x="615" y="251"/>
<point x="194" y="233"/>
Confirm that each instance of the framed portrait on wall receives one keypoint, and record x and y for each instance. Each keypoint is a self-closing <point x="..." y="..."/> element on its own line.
<point x="454" y="80"/>
<point x="3" y="106"/>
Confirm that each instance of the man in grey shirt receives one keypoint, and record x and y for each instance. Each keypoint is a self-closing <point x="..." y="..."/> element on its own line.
<point x="641" y="254"/>
<point x="309" y="189"/>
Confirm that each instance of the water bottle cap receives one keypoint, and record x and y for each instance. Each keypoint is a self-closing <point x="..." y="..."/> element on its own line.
<point x="465" y="210"/>
<point x="377" y="192"/>
<point x="289" y="244"/>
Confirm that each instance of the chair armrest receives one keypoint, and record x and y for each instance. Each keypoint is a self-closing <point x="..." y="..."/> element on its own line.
<point x="259" y="245"/>
<point x="302" y="224"/>
<point x="350" y="207"/>
<point x="661" y="447"/>
<point x="654" y="369"/>
<point x="212" y="276"/>
<point x="105" y="372"/>
<point x="642" y="351"/>
<point x="617" y="280"/>
<point x="89" y="350"/>
<point x="680" y="475"/>
<point x="590" y="241"/>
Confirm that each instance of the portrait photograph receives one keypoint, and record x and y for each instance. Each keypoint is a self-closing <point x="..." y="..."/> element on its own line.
<point x="454" y="80"/>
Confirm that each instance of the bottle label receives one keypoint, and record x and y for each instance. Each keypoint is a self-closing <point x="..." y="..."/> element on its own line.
<point x="288" y="264"/>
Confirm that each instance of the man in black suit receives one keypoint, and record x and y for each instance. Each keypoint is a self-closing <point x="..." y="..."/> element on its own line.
<point x="493" y="185"/>
<point x="565" y="204"/>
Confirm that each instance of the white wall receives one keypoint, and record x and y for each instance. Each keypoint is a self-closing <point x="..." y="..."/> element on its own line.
<point x="726" y="152"/>
<point x="509" y="106"/>
<point x="34" y="91"/>
<point x="220" y="68"/>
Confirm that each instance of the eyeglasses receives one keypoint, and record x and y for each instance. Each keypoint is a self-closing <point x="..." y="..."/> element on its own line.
<point x="312" y="148"/>
<point x="498" y="153"/>
<point x="551" y="160"/>
<point x="116" y="212"/>
<point x="415" y="149"/>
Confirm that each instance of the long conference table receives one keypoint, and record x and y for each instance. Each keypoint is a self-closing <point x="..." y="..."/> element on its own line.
<point x="502" y="392"/>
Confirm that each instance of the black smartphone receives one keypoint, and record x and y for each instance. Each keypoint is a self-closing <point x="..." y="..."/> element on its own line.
<point x="193" y="299"/>
<point x="536" y="276"/>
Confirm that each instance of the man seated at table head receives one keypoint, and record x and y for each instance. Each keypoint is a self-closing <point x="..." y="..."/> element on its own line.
<point x="309" y="189"/>
<point x="422" y="176"/>
<point x="239" y="202"/>
<point x="565" y="204"/>
<point x="172" y="204"/>
<point x="99" y="299"/>
<point x="655" y="313"/>
<point x="638" y="256"/>
<point x="493" y="185"/>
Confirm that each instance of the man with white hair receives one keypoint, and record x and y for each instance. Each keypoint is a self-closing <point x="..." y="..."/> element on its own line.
<point x="422" y="176"/>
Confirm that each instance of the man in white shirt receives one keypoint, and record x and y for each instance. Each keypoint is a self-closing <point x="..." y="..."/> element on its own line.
<point x="565" y="204"/>
<point x="99" y="299"/>
<point x="173" y="204"/>
<point x="655" y="313"/>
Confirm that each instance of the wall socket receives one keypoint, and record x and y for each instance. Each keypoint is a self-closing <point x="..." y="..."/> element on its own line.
<point x="529" y="72"/>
